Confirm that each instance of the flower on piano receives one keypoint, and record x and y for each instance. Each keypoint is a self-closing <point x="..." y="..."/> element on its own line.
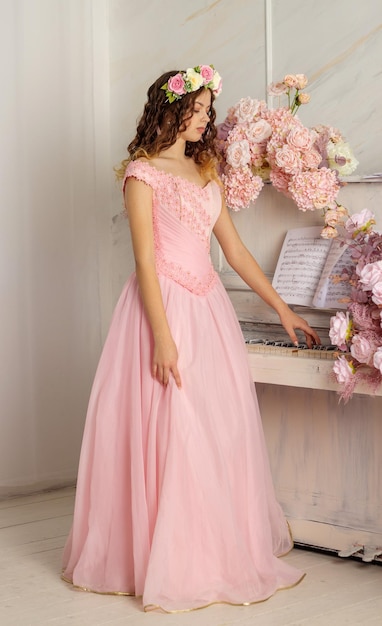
<point x="358" y="332"/>
<point x="259" y="143"/>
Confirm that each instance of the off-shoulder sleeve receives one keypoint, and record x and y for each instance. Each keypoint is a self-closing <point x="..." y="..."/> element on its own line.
<point x="141" y="171"/>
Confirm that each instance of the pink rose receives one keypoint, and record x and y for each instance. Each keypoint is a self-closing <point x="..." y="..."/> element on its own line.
<point x="311" y="159"/>
<point x="246" y="110"/>
<point x="238" y="153"/>
<point x="370" y="275"/>
<point x="360" y="222"/>
<point x="340" y="329"/>
<point x="300" y="138"/>
<point x="332" y="217"/>
<point x="176" y="85"/>
<point x="288" y="159"/>
<point x="362" y="349"/>
<point x="291" y="80"/>
<point x="302" y="81"/>
<point x="329" y="232"/>
<point x="277" y="89"/>
<point x="377" y="359"/>
<point x="377" y="294"/>
<point x="343" y="371"/>
<point x="207" y="72"/>
<point x="303" y="98"/>
<point x="259" y="131"/>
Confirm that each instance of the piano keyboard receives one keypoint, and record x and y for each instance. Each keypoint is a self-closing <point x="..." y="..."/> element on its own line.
<point x="283" y="348"/>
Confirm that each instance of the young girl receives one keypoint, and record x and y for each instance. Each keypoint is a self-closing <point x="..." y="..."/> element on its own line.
<point x="175" y="500"/>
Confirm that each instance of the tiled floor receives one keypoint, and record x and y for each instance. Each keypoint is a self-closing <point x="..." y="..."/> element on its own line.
<point x="32" y="533"/>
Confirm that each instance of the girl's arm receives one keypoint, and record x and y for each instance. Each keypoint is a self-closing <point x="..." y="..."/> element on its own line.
<point x="242" y="261"/>
<point x="138" y="202"/>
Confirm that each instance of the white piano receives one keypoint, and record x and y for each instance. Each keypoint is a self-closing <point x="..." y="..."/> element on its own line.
<point x="326" y="456"/>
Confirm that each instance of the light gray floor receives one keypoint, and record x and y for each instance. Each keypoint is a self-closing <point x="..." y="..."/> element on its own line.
<point x="32" y="533"/>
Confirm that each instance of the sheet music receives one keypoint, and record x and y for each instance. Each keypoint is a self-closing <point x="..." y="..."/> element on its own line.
<point x="329" y="293"/>
<point x="305" y="267"/>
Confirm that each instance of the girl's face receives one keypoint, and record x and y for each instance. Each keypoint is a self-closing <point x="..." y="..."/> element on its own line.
<point x="200" y="116"/>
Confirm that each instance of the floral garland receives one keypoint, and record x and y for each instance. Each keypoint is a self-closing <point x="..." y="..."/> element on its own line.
<point x="358" y="332"/>
<point x="258" y="143"/>
<point x="191" y="80"/>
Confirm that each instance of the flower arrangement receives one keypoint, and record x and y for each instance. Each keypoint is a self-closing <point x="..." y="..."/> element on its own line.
<point x="191" y="80"/>
<point x="358" y="332"/>
<point x="258" y="143"/>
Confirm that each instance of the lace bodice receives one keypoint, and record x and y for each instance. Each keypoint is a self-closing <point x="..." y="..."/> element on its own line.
<point x="184" y="214"/>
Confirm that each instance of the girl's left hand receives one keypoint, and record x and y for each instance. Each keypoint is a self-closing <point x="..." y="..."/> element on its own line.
<point x="291" y="321"/>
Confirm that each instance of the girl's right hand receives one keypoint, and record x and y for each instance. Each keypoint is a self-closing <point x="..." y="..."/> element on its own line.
<point x="165" y="362"/>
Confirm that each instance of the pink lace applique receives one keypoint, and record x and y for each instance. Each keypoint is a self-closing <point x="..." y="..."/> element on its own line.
<point x="189" y="203"/>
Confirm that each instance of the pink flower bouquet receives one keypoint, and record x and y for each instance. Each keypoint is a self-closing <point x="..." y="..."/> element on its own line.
<point x="358" y="332"/>
<point x="258" y="143"/>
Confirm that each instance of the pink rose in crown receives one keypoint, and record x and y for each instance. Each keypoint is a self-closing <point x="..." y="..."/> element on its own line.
<point x="207" y="73"/>
<point x="340" y="329"/>
<point x="176" y="85"/>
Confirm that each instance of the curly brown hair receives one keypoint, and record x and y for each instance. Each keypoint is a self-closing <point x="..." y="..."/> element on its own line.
<point x="160" y="124"/>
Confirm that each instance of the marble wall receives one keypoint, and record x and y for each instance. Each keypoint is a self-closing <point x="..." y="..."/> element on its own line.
<point x="338" y="45"/>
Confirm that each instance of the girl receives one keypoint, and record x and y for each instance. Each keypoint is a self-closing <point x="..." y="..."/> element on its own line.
<point x="175" y="500"/>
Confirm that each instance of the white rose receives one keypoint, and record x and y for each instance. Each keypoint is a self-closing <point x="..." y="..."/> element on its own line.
<point x="216" y="81"/>
<point x="194" y="78"/>
<point x="341" y="158"/>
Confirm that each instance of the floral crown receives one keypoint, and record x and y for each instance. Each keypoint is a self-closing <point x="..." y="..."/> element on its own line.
<point x="191" y="80"/>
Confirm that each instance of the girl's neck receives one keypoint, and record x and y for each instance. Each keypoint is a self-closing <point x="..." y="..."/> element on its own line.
<point x="175" y="152"/>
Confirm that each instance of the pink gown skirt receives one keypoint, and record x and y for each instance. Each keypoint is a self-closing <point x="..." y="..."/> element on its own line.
<point x="175" y="501"/>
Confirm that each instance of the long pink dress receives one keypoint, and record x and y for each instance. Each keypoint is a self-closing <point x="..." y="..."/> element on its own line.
<point x="174" y="499"/>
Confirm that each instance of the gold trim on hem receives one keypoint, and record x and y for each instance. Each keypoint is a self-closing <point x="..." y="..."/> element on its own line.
<point x="101" y="593"/>
<point x="154" y="607"/>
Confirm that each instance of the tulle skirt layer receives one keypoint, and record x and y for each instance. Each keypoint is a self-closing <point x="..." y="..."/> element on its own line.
<point x="174" y="499"/>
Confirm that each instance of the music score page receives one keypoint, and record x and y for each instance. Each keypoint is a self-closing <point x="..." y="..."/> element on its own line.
<point x="306" y="269"/>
